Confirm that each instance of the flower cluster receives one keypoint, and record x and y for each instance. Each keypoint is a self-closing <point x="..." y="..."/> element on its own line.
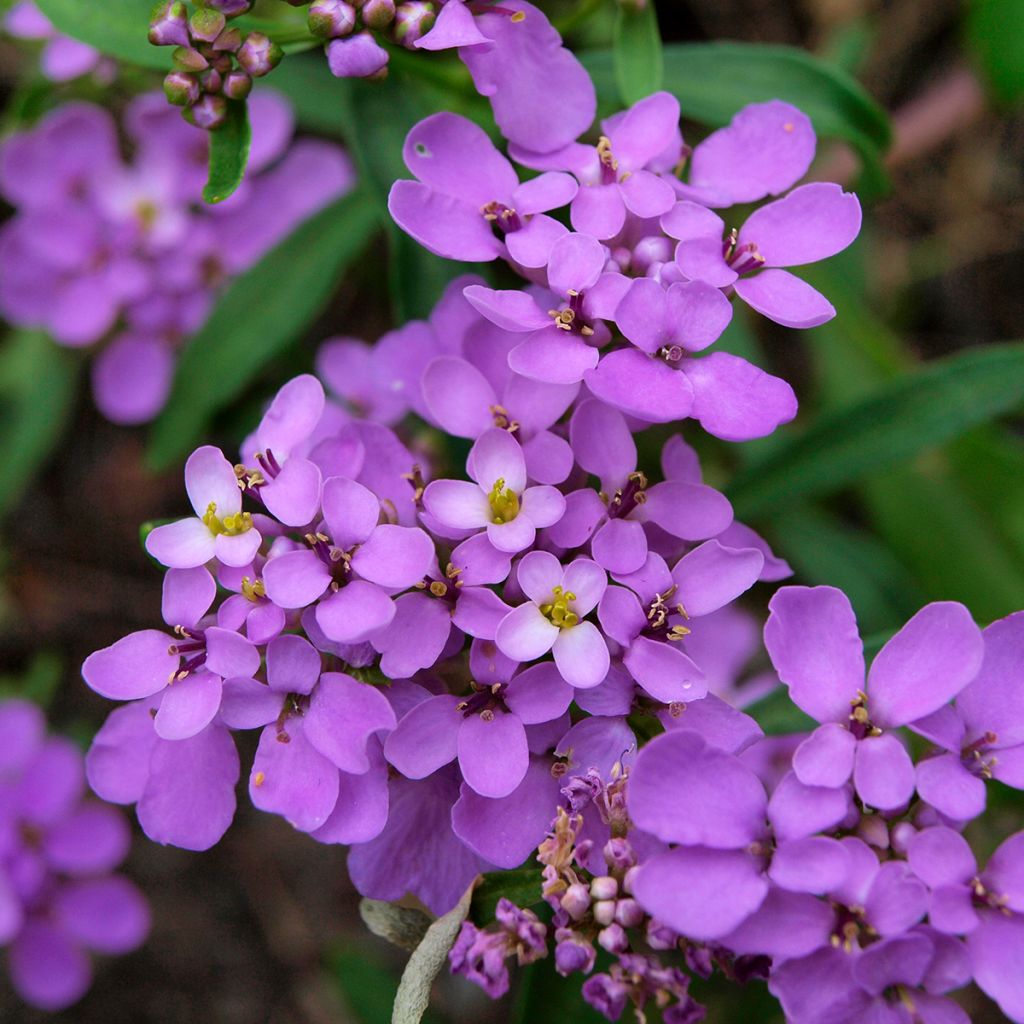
<point x="62" y="58"/>
<point x="123" y="256"/>
<point x="839" y="870"/>
<point x="59" y="897"/>
<point x="214" y="62"/>
<point x="647" y="254"/>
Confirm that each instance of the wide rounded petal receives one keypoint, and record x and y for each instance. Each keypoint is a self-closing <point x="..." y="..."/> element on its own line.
<point x="189" y="799"/>
<point x="538" y="574"/>
<point x="813" y="641"/>
<point x="343" y="714"/>
<point x="817" y="864"/>
<point x="735" y="400"/>
<point x="445" y="225"/>
<point x="715" y="800"/>
<point x="700" y="893"/>
<point x="664" y="671"/>
<point x="524" y="634"/>
<point x="509" y="310"/>
<point x="469" y="414"/>
<point x="296" y="578"/>
<point x="137" y="665"/>
<point x="699" y="313"/>
<point x="711" y="576"/>
<point x="620" y="546"/>
<point x="459" y="504"/>
<point x="994" y="700"/>
<point x="187" y="595"/>
<point x="602" y="442"/>
<point x="647" y="195"/>
<point x="394" y="556"/>
<point x="641" y="386"/>
<point x="108" y="915"/>
<point x="350" y="509"/>
<point x="426" y="737"/>
<point x="996" y="948"/>
<point x="787" y="924"/>
<point x="1005" y="872"/>
<point x="188" y="706"/>
<point x="361" y="810"/>
<point x="131" y="378"/>
<point x="186" y="544"/>
<point x="553" y="356"/>
<point x="883" y="773"/>
<point x="598" y="210"/>
<point x="355" y="612"/>
<point x="940" y="856"/>
<point x="117" y="764"/>
<point x="48" y="970"/>
<point x="492" y="752"/>
<point x="642" y="315"/>
<point x="927" y="663"/>
<point x="950" y="788"/>
<point x="786" y="299"/>
<point x="539" y="694"/>
<point x="581" y="655"/>
<point x="293" y="496"/>
<point x="210" y="479"/>
<point x="292" y="416"/>
<point x="812" y="223"/>
<point x="825" y="758"/>
<point x="497" y="455"/>
<point x="577" y="261"/>
<point x="93" y="839"/>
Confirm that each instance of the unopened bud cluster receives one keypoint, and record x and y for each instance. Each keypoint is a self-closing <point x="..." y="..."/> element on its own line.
<point x="214" y="62"/>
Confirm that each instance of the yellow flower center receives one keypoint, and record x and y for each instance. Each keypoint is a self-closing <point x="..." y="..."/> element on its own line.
<point x="504" y="502"/>
<point x="559" y="611"/>
<point x="232" y="525"/>
<point x="253" y="590"/>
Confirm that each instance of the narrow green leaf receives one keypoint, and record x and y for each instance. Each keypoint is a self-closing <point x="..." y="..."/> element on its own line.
<point x="229" y="153"/>
<point x="899" y="420"/>
<point x="114" y="27"/>
<point x="37" y="396"/>
<point x="713" y="80"/>
<point x="995" y="33"/>
<point x="636" y="46"/>
<point x="261" y="313"/>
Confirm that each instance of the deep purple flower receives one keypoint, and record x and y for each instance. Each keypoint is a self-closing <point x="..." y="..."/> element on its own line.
<point x="59" y="898"/>
<point x="468" y="204"/>
<point x="612" y="175"/>
<point x="812" y="638"/>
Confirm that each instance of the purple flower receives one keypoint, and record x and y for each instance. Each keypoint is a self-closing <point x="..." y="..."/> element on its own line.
<point x="553" y="617"/>
<point x="499" y="500"/>
<point x="219" y="529"/>
<point x="982" y="735"/>
<point x="652" y="613"/>
<point x="468" y="204"/>
<point x="561" y="343"/>
<point x="812" y="223"/>
<point x="518" y="62"/>
<point x="59" y="898"/>
<point x="356" y="56"/>
<point x="812" y="638"/>
<point x="149" y="662"/>
<point x="612" y="175"/>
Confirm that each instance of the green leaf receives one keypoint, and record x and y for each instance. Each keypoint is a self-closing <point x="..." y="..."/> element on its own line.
<point x="229" y="153"/>
<point x="995" y="34"/>
<point x="522" y="886"/>
<point x="37" y="396"/>
<point x="38" y="683"/>
<point x="114" y="27"/>
<point x="636" y="46"/>
<point x="714" y="80"/>
<point x="260" y="314"/>
<point x="899" y="420"/>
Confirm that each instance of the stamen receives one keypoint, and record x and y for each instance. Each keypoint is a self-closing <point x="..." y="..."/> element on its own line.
<point x="558" y="611"/>
<point x="504" y="502"/>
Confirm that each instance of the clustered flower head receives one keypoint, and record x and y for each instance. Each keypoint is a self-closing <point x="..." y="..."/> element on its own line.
<point x="214" y="62"/>
<point x="629" y="299"/>
<point x="60" y="899"/>
<point x="123" y="256"/>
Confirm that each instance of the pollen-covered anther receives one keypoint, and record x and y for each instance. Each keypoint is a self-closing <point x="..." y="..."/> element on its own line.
<point x="502" y="420"/>
<point x="232" y="526"/>
<point x="438" y="589"/>
<point x="258" y="779"/>
<point x="558" y="611"/>
<point x="253" y="590"/>
<point x="504" y="502"/>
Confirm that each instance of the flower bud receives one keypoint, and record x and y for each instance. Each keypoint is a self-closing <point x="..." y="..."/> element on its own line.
<point x="259" y="55"/>
<point x="629" y="879"/>
<point x="187" y="59"/>
<point x="604" y="888"/>
<point x="604" y="911"/>
<point x="168" y="24"/>
<point x="358" y="56"/>
<point x="209" y="112"/>
<point x="331" y="19"/>
<point x="228" y="41"/>
<point x="660" y="936"/>
<point x="650" y="250"/>
<point x="576" y="901"/>
<point x="618" y="854"/>
<point x="874" y="831"/>
<point x="211" y="80"/>
<point x="613" y="939"/>
<point x="378" y="14"/>
<point x="573" y="953"/>
<point x="181" y="88"/>
<point x="902" y="833"/>
<point x="413" y="21"/>
<point x="237" y="85"/>
<point x="229" y="8"/>
<point x="205" y="25"/>
<point x="629" y="913"/>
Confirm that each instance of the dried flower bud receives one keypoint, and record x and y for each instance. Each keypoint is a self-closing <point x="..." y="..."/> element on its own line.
<point x="209" y="112"/>
<point x="331" y="19"/>
<point x="168" y="24"/>
<point x="259" y="55"/>
<point x="358" y="56"/>
<point x="181" y="88"/>
<point x="187" y="59"/>
<point x="205" y="25"/>
<point x="237" y="85"/>
<point x="413" y="21"/>
<point x="378" y="14"/>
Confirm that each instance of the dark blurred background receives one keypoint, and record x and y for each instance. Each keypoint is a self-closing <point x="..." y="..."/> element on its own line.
<point x="265" y="926"/>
